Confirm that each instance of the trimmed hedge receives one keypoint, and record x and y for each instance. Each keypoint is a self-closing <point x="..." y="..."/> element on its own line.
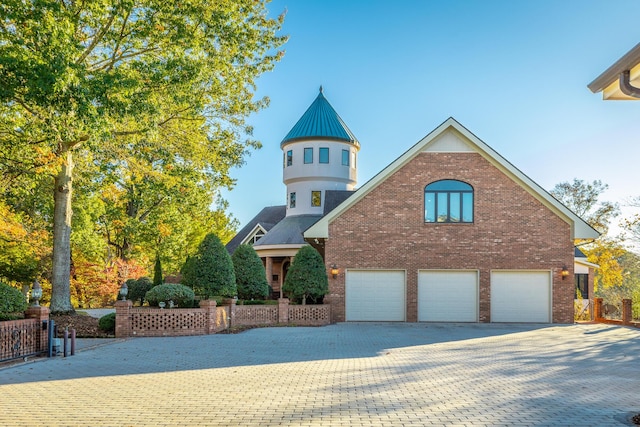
<point x="181" y="295"/>
<point x="108" y="322"/>
<point x="138" y="289"/>
<point x="11" y="300"/>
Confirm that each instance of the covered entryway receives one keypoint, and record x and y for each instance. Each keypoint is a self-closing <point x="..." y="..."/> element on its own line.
<point x="375" y="295"/>
<point x="521" y="296"/>
<point x="447" y="296"/>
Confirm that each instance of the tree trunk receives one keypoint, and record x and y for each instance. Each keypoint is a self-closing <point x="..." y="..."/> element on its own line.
<point x="61" y="287"/>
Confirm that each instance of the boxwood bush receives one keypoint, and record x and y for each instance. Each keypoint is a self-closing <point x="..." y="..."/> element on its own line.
<point x="181" y="295"/>
<point x="12" y="302"/>
<point x="108" y="322"/>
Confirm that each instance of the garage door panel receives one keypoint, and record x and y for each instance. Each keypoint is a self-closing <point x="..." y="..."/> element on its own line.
<point x="448" y="296"/>
<point x="521" y="296"/>
<point x="375" y="295"/>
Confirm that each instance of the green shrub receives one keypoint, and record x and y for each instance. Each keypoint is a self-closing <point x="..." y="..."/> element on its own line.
<point x="12" y="301"/>
<point x="307" y="277"/>
<point x="257" y="302"/>
<point x="157" y="272"/>
<point x="108" y="322"/>
<point x="181" y="295"/>
<point x="210" y="271"/>
<point x="138" y="289"/>
<point x="251" y="278"/>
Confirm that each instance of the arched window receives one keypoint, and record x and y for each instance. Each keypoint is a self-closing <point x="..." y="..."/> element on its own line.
<point x="448" y="201"/>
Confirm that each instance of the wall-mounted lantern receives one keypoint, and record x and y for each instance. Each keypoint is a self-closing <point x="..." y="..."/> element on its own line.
<point x="565" y="272"/>
<point x="335" y="270"/>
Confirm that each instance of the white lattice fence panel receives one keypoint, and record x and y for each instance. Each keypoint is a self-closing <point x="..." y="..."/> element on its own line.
<point x="255" y="315"/>
<point x="310" y="314"/>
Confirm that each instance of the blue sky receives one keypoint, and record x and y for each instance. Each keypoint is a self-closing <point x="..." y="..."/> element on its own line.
<point x="514" y="73"/>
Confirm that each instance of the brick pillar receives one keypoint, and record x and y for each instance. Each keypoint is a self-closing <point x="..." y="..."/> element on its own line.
<point x="627" y="315"/>
<point x="123" y="318"/>
<point x="42" y="314"/>
<point x="597" y="309"/>
<point x="283" y="310"/>
<point x="211" y="313"/>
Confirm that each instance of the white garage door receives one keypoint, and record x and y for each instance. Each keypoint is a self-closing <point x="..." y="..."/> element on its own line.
<point x="447" y="296"/>
<point x="375" y="295"/>
<point x="521" y="296"/>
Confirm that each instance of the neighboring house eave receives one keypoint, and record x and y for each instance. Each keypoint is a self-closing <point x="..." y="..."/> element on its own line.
<point x="611" y="74"/>
<point x="579" y="228"/>
<point x="586" y="263"/>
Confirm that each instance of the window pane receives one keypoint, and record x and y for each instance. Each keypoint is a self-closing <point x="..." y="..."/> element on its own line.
<point x="292" y="200"/>
<point x="316" y="199"/>
<point x="308" y="155"/>
<point x="324" y="155"/>
<point x="448" y="185"/>
<point x="467" y="207"/>
<point x="289" y="158"/>
<point x="345" y="157"/>
<point x="454" y="207"/>
<point x="442" y="208"/>
<point x="430" y="207"/>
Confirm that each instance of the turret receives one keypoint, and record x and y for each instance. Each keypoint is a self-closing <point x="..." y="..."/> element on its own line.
<point x="319" y="154"/>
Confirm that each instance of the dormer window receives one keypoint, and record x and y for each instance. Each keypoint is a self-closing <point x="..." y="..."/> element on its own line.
<point x="256" y="237"/>
<point x="448" y="201"/>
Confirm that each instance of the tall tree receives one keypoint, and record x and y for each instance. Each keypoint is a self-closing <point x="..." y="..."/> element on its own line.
<point x="77" y="75"/>
<point x="583" y="199"/>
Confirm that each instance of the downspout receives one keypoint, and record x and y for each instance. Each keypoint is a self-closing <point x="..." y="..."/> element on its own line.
<point x="626" y="87"/>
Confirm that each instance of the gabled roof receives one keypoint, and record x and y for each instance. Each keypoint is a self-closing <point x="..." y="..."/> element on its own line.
<point x="287" y="232"/>
<point x="579" y="228"/>
<point x="267" y="218"/>
<point x="320" y="121"/>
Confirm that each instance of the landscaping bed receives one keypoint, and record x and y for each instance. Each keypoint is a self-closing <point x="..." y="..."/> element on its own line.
<point x="85" y="325"/>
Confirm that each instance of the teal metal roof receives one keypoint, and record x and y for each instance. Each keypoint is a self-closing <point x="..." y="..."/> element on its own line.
<point x="320" y="121"/>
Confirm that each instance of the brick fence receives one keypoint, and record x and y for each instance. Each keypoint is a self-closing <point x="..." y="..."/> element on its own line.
<point x="211" y="318"/>
<point x="627" y="314"/>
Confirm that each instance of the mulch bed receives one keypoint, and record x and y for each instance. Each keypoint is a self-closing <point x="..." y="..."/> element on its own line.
<point x="85" y="325"/>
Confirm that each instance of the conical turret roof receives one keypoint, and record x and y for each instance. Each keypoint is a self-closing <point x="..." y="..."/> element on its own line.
<point x="320" y="121"/>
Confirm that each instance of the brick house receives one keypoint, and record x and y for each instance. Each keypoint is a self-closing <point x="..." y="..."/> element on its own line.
<point x="448" y="232"/>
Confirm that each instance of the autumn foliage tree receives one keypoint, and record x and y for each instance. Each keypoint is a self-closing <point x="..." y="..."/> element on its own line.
<point x="127" y="81"/>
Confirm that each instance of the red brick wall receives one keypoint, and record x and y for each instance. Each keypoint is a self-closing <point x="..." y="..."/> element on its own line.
<point x="511" y="230"/>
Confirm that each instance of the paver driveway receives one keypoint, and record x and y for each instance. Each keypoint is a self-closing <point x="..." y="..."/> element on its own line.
<point x="346" y="374"/>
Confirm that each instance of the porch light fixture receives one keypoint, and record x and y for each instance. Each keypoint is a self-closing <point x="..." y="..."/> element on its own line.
<point x="124" y="290"/>
<point x="36" y="293"/>
<point x="564" y="272"/>
<point x="335" y="270"/>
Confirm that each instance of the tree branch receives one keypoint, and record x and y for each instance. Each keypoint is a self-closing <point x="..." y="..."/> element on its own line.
<point x="97" y="38"/>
